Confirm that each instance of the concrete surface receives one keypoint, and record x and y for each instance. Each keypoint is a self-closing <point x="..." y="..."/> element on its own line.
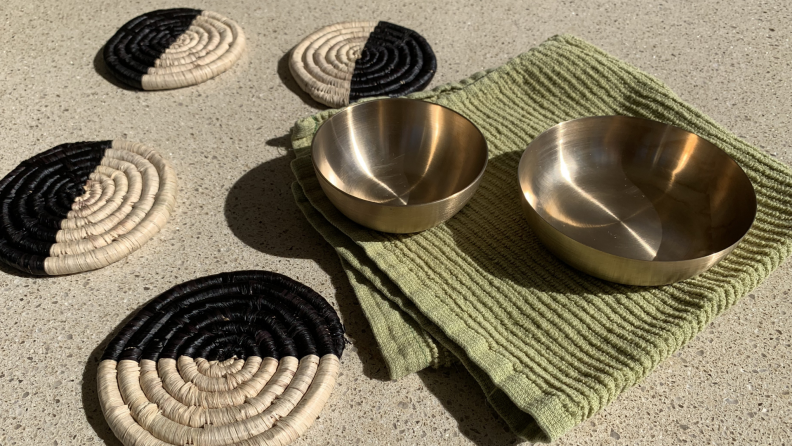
<point x="227" y="141"/>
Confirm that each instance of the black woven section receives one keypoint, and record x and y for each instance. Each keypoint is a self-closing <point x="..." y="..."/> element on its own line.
<point x="236" y="314"/>
<point x="37" y="195"/>
<point x="140" y="42"/>
<point x="395" y="61"/>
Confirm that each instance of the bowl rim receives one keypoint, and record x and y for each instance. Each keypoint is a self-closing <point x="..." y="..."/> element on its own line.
<point x="405" y="206"/>
<point x="711" y="255"/>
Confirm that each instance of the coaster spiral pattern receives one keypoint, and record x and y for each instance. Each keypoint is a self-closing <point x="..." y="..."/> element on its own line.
<point x="342" y="63"/>
<point x="173" y="48"/>
<point x="247" y="358"/>
<point x="82" y="206"/>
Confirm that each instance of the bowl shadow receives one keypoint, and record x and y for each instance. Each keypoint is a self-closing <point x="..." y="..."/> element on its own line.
<point x="261" y="212"/>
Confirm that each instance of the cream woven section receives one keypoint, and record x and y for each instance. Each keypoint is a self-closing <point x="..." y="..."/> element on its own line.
<point x="323" y="63"/>
<point x="258" y="401"/>
<point x="129" y="198"/>
<point x="210" y="46"/>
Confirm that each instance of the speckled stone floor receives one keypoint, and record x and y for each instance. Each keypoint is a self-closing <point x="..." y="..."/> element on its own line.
<point x="227" y="140"/>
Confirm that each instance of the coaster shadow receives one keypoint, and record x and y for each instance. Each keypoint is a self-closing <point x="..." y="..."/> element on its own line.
<point x="90" y="394"/>
<point x="11" y="271"/>
<point x="288" y="81"/>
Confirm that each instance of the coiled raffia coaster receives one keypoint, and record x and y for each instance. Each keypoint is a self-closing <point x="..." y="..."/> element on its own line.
<point x="82" y="206"/>
<point x="342" y="63"/>
<point x="173" y="48"/>
<point x="247" y="357"/>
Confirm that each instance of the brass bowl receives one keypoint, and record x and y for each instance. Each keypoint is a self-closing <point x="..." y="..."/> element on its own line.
<point x="634" y="201"/>
<point x="399" y="165"/>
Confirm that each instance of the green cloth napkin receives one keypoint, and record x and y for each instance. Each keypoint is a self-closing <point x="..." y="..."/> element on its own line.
<point x="549" y="346"/>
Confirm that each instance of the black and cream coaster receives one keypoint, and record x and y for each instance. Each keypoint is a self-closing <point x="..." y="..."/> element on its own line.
<point x="82" y="206"/>
<point x="173" y="48"/>
<point x="342" y="63"/>
<point x="246" y="357"/>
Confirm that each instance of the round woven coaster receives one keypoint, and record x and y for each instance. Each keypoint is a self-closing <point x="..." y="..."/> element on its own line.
<point x="173" y="48"/>
<point x="247" y="357"/>
<point x="82" y="206"/>
<point x="342" y="63"/>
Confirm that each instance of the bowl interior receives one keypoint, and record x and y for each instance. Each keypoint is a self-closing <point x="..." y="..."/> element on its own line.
<point x="637" y="188"/>
<point x="399" y="152"/>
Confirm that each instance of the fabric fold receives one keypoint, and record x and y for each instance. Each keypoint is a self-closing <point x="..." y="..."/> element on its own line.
<point x="550" y="346"/>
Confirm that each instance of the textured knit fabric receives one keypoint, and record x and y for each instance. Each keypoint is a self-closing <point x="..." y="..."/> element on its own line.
<point x="549" y="345"/>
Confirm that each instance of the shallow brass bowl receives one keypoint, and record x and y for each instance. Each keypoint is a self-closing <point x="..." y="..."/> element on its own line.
<point x="634" y="201"/>
<point x="399" y="165"/>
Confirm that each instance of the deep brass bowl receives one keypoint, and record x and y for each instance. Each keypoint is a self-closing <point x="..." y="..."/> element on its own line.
<point x="634" y="201"/>
<point x="399" y="165"/>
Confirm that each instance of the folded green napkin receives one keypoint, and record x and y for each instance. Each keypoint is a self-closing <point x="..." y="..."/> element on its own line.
<point x="549" y="346"/>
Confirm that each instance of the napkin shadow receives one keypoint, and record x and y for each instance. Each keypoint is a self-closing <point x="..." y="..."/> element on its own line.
<point x="462" y="397"/>
<point x="261" y="212"/>
<point x="101" y="69"/>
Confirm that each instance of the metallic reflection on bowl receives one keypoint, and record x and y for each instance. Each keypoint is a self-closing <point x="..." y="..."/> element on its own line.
<point x="399" y="165"/>
<point x="634" y="201"/>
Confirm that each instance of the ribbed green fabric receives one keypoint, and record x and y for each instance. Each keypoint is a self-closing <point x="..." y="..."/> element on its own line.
<point x="550" y="346"/>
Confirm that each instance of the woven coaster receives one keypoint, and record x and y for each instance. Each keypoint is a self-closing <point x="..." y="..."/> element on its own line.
<point x="173" y="48"/>
<point x="247" y="357"/>
<point x="342" y="63"/>
<point x="82" y="206"/>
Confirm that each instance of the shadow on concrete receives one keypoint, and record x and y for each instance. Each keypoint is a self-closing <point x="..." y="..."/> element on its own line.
<point x="101" y="70"/>
<point x="462" y="397"/>
<point x="261" y="212"/>
<point x="286" y="77"/>
<point x="90" y="396"/>
<point x="11" y="271"/>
